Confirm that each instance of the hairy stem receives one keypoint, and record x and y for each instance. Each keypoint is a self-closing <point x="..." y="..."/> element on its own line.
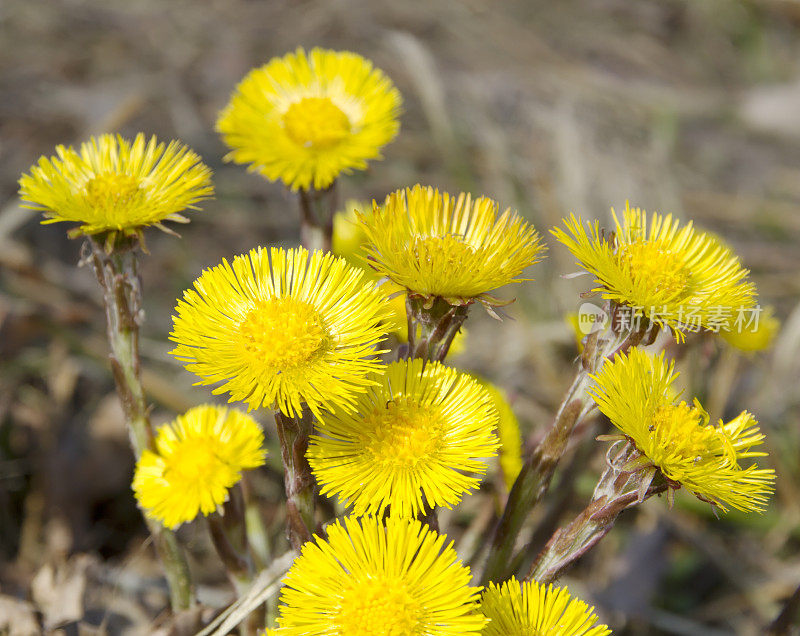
<point x="293" y="433"/>
<point x="118" y="276"/>
<point x="432" y="325"/>
<point x="615" y="491"/>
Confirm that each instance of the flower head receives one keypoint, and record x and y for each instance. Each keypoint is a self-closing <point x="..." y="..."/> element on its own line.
<point x="528" y="608"/>
<point x="677" y="276"/>
<point x="115" y="185"/>
<point x="306" y="118"/>
<point x="455" y="247"/>
<point x="509" y="435"/>
<point x="371" y="580"/>
<point x="198" y="458"/>
<point x="422" y="435"/>
<point x="282" y="331"/>
<point x="636" y="393"/>
<point x="758" y="336"/>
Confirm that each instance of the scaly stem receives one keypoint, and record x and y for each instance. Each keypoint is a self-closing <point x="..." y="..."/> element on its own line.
<point x="616" y="490"/>
<point x="118" y="276"/>
<point x="432" y="325"/>
<point x="316" y="217"/>
<point x="293" y="433"/>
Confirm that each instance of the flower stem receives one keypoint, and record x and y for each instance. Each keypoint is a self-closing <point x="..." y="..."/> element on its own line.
<point x="293" y="433"/>
<point x="229" y="536"/>
<point x="615" y="491"/>
<point x="117" y="273"/>
<point x="317" y="208"/>
<point x="432" y="325"/>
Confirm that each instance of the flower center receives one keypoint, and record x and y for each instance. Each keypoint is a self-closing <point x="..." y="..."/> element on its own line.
<point x="110" y="192"/>
<point x="402" y="434"/>
<point x="283" y="333"/>
<point x="378" y="607"/>
<point x="656" y="267"/>
<point x="316" y="122"/>
<point x="682" y="431"/>
<point x="431" y="249"/>
<point x="192" y="460"/>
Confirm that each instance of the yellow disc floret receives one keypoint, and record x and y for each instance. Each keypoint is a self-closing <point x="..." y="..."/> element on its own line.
<point x="654" y="265"/>
<point x="283" y="333"/>
<point x="380" y="606"/>
<point x="316" y="122"/>
<point x="403" y="434"/>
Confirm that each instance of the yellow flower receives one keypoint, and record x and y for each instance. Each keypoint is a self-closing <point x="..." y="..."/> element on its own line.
<point x="367" y="580"/>
<point x="114" y="185"/>
<point x="455" y="247"/>
<point x="509" y="434"/>
<point x="530" y="608"/>
<point x="349" y="239"/>
<point x="677" y="277"/>
<point x="306" y="118"/>
<point x="636" y="393"/>
<point x="419" y="438"/>
<point x="198" y="458"/>
<point x="348" y="236"/>
<point x="753" y="337"/>
<point x="280" y="334"/>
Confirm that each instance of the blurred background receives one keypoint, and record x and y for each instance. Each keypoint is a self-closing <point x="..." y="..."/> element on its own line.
<point x="683" y="106"/>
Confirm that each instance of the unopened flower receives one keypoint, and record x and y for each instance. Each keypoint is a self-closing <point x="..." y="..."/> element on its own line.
<point x="281" y="332"/>
<point x="306" y="118"/>
<point x="371" y="580"/>
<point x="678" y="277"/>
<point x="529" y="608"/>
<point x="457" y="248"/>
<point x="420" y="437"/>
<point x="117" y="186"/>
<point x="197" y="459"/>
<point x="635" y="392"/>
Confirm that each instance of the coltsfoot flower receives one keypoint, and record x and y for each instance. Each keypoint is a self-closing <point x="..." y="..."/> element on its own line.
<point x="421" y="437"/>
<point x="295" y="330"/>
<point x="528" y="608"/>
<point x="457" y="248"/>
<point x="198" y="458"/>
<point x="117" y="186"/>
<point x="750" y="338"/>
<point x="676" y="276"/>
<point x="371" y="580"/>
<point x="508" y="433"/>
<point x="306" y="118"/>
<point x="635" y="392"/>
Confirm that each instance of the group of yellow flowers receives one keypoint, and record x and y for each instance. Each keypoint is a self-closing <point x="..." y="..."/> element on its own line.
<point x="300" y="332"/>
